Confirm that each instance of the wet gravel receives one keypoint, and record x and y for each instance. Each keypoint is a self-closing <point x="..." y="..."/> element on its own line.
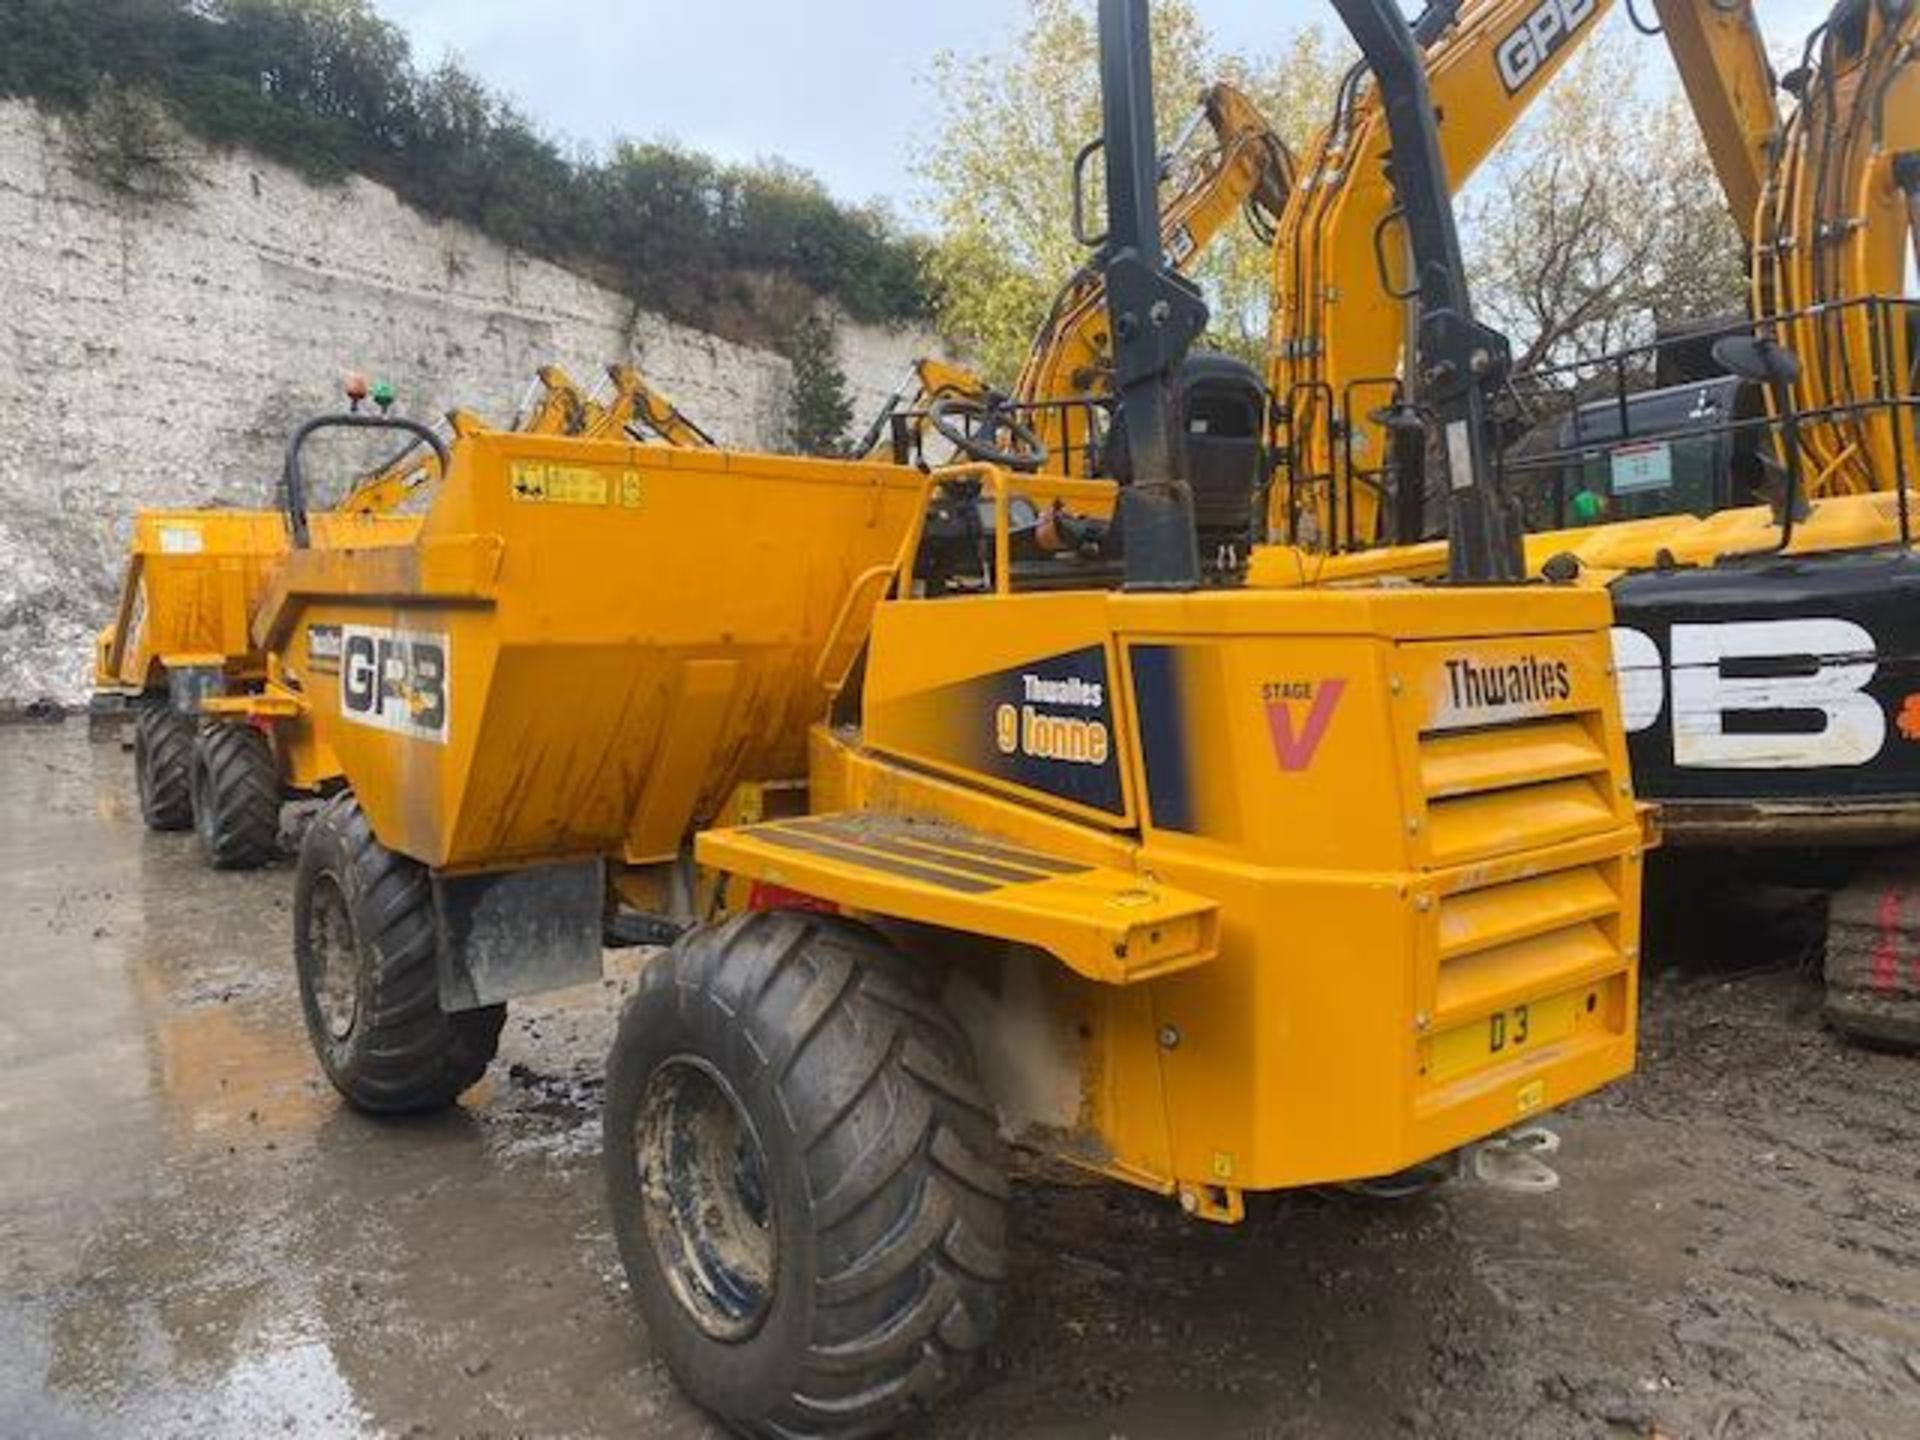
<point x="197" y="1240"/>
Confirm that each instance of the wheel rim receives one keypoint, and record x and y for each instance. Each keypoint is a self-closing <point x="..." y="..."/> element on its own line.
<point x="705" y="1199"/>
<point x="336" y="961"/>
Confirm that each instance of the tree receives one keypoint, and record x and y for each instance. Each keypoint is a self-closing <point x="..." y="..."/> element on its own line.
<point x="127" y="142"/>
<point x="821" y="408"/>
<point x="1008" y="126"/>
<point x="1600" y="218"/>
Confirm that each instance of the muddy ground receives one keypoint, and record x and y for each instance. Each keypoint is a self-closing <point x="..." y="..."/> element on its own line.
<point x="197" y="1240"/>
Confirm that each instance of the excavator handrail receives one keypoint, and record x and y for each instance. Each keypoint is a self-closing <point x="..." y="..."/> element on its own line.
<point x="1891" y="397"/>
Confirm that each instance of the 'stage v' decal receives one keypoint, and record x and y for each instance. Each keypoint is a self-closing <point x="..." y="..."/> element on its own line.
<point x="1295" y="750"/>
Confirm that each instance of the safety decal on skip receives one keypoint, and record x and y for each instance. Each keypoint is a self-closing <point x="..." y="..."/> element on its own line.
<point x="537" y="482"/>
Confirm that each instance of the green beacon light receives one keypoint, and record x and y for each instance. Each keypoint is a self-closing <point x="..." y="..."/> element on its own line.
<point x="383" y="396"/>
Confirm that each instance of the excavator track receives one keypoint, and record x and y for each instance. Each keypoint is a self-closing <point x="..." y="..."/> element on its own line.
<point x="1873" y="956"/>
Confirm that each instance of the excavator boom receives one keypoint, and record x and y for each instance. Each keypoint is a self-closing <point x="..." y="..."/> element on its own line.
<point x="1340" y="322"/>
<point x="1722" y="58"/>
<point x="1834" y="235"/>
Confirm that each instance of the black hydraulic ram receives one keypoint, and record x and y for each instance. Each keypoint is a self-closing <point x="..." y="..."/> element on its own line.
<point x="1458" y="363"/>
<point x="1156" y="314"/>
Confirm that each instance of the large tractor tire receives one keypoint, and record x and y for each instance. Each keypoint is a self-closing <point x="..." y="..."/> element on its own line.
<point x="163" y="765"/>
<point x="807" y="1185"/>
<point x="365" y="946"/>
<point x="236" y="797"/>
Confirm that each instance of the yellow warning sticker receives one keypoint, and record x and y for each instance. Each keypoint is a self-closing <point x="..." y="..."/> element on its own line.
<point x="540" y="483"/>
<point x="630" y="492"/>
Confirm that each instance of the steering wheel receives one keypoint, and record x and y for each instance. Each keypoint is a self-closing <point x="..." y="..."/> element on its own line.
<point x="983" y="421"/>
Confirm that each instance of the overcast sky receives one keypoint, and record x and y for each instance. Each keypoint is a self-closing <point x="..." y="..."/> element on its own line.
<point x="839" y="88"/>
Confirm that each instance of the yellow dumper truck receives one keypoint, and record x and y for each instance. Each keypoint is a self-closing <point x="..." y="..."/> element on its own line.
<point x="960" y="834"/>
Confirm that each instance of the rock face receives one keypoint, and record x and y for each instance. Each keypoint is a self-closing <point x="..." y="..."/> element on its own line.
<point x="159" y="352"/>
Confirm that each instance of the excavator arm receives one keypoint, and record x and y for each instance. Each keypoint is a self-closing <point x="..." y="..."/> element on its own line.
<point x="1247" y="168"/>
<point x="635" y="402"/>
<point x="1338" y="266"/>
<point x="1835" y="235"/>
<point x="1722" y="58"/>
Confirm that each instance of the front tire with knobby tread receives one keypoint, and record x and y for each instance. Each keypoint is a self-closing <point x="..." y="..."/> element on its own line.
<point x="236" y="797"/>
<point x="884" y="1189"/>
<point x="163" y="764"/>
<point x="366" y="948"/>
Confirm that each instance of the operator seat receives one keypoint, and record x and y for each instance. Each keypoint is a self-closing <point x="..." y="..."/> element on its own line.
<point x="1221" y="404"/>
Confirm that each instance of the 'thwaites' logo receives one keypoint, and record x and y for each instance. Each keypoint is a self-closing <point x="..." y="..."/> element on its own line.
<point x="1041" y="734"/>
<point x="1526" y="681"/>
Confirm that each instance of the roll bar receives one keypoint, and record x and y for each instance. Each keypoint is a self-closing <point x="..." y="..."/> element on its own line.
<point x="293" y="483"/>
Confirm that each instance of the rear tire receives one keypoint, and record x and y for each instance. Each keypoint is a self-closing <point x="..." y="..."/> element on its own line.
<point x="366" y="951"/>
<point x="163" y="765"/>
<point x="806" y="1182"/>
<point x="236" y="797"/>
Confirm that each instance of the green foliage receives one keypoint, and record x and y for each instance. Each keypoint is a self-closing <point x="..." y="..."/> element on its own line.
<point x="821" y="409"/>
<point x="999" y="164"/>
<point x="330" y="87"/>
<point x="126" y="141"/>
